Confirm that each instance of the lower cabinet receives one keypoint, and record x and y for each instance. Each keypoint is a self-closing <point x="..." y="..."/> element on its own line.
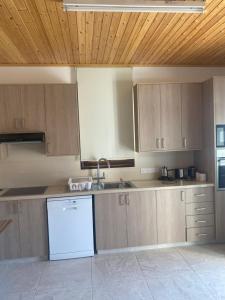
<point x="33" y="228"/>
<point x="9" y="230"/>
<point x="125" y="220"/>
<point x="171" y="216"/>
<point x="23" y="229"/>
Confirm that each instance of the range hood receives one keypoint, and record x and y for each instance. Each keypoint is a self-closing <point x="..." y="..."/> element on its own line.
<point x="22" y="137"/>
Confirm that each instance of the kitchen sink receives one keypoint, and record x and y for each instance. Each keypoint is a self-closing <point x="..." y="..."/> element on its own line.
<point x="113" y="185"/>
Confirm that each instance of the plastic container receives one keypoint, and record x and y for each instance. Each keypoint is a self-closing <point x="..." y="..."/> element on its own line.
<point x="80" y="184"/>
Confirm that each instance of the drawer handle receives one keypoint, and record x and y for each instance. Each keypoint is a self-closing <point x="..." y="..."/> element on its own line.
<point x="201" y="234"/>
<point x="196" y="221"/>
<point x="122" y="200"/>
<point x="200" y="195"/>
<point x="201" y="208"/>
<point x="157" y="143"/>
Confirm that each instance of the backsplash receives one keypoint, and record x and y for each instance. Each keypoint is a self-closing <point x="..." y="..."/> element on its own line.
<point x="27" y="165"/>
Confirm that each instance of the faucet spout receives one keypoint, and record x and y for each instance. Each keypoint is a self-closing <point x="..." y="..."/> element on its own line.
<point x="99" y="177"/>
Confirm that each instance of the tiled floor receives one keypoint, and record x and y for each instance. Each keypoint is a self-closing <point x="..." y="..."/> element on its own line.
<point x="194" y="273"/>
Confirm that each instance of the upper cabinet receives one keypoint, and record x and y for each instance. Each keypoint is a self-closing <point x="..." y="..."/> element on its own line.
<point x="171" y="117"/>
<point x="168" y="117"/>
<point x="191" y="95"/>
<point x="147" y="110"/>
<point x="62" y="122"/>
<point x="22" y="108"/>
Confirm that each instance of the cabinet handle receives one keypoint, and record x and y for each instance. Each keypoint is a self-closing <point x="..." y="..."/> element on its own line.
<point x="17" y="123"/>
<point x="70" y="208"/>
<point x="201" y="208"/>
<point x="196" y="221"/>
<point x="157" y="143"/>
<point x="47" y="148"/>
<point x="121" y="200"/>
<point x="127" y="199"/>
<point x="163" y="143"/>
<point x="199" y="195"/>
<point x="23" y="123"/>
<point x="182" y="196"/>
<point x="184" y="142"/>
<point x="201" y="234"/>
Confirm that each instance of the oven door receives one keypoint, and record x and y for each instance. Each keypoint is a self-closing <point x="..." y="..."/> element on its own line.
<point x="220" y="136"/>
<point x="221" y="172"/>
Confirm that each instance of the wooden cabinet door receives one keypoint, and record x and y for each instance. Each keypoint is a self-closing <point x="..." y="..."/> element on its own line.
<point x="33" y="107"/>
<point x="141" y="219"/>
<point x="147" y="102"/>
<point x="219" y="99"/>
<point x="110" y="221"/>
<point x="33" y="228"/>
<point x="11" y="108"/>
<point x="171" y="116"/>
<point x="62" y="120"/>
<point x="191" y="95"/>
<point x="9" y="230"/>
<point x="171" y="216"/>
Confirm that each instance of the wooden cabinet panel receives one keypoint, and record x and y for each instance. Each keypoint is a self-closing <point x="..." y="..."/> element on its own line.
<point x="141" y="219"/>
<point x="219" y="99"/>
<point x="110" y="221"/>
<point x="9" y="230"/>
<point x="33" y="118"/>
<point x="33" y="228"/>
<point x="191" y="95"/>
<point x="171" y="116"/>
<point x="11" y="108"/>
<point x="171" y="216"/>
<point x="147" y="102"/>
<point x="62" y="120"/>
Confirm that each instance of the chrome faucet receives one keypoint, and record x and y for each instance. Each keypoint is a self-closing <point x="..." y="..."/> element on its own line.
<point x="98" y="176"/>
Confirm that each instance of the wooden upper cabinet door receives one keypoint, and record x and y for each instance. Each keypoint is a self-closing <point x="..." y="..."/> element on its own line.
<point x="33" y="107"/>
<point x="62" y="122"/>
<point x="171" y="117"/>
<point x="141" y="219"/>
<point x="110" y="221"/>
<point x="171" y="216"/>
<point x="191" y="95"/>
<point x="219" y="99"/>
<point x="9" y="230"/>
<point x="33" y="228"/>
<point x="148" y="118"/>
<point x="11" y="108"/>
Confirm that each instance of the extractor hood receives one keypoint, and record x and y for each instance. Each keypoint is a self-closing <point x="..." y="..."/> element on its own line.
<point x="164" y="6"/>
<point x="22" y="137"/>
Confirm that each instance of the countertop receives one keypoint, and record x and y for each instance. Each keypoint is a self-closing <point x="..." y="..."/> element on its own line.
<point x="140" y="185"/>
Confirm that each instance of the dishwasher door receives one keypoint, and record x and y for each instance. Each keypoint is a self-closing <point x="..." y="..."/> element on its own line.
<point x="70" y="225"/>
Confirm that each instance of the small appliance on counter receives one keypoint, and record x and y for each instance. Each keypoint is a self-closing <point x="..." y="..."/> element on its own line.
<point x="178" y="174"/>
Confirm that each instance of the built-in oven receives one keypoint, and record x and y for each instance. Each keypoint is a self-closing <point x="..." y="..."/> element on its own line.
<point x="220" y="136"/>
<point x="220" y="157"/>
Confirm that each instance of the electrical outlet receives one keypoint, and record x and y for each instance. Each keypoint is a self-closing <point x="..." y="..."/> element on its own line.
<point x="149" y="170"/>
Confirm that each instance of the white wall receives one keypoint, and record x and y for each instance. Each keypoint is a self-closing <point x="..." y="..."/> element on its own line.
<point x="23" y="75"/>
<point x="105" y="106"/>
<point x="175" y="74"/>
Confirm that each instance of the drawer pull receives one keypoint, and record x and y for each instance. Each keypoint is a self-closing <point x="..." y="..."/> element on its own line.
<point x="201" y="234"/>
<point x="157" y="143"/>
<point x="200" y="195"/>
<point x="201" y="208"/>
<point x="200" y="221"/>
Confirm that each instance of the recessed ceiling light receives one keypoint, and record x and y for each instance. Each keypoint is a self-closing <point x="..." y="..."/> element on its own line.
<point x="169" y="6"/>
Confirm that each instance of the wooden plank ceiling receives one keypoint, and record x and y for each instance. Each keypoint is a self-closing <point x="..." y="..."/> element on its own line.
<point x="39" y="32"/>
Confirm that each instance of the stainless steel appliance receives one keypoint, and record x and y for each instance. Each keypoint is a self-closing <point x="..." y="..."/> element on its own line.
<point x="220" y="166"/>
<point x="220" y="136"/>
<point x="179" y="173"/>
<point x="192" y="172"/>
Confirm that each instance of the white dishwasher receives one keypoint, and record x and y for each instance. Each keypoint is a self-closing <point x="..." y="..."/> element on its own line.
<point x="70" y="227"/>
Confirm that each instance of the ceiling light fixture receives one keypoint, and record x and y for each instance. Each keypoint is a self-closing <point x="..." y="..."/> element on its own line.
<point x="169" y="6"/>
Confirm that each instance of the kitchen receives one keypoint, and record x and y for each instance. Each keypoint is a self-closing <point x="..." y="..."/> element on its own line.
<point x="146" y="145"/>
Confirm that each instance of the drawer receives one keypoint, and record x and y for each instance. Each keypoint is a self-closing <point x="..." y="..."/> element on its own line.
<point x="200" y="194"/>
<point x="199" y="208"/>
<point x="201" y="234"/>
<point x="200" y="221"/>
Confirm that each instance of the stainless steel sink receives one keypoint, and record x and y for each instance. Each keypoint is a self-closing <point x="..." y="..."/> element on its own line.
<point x="113" y="185"/>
